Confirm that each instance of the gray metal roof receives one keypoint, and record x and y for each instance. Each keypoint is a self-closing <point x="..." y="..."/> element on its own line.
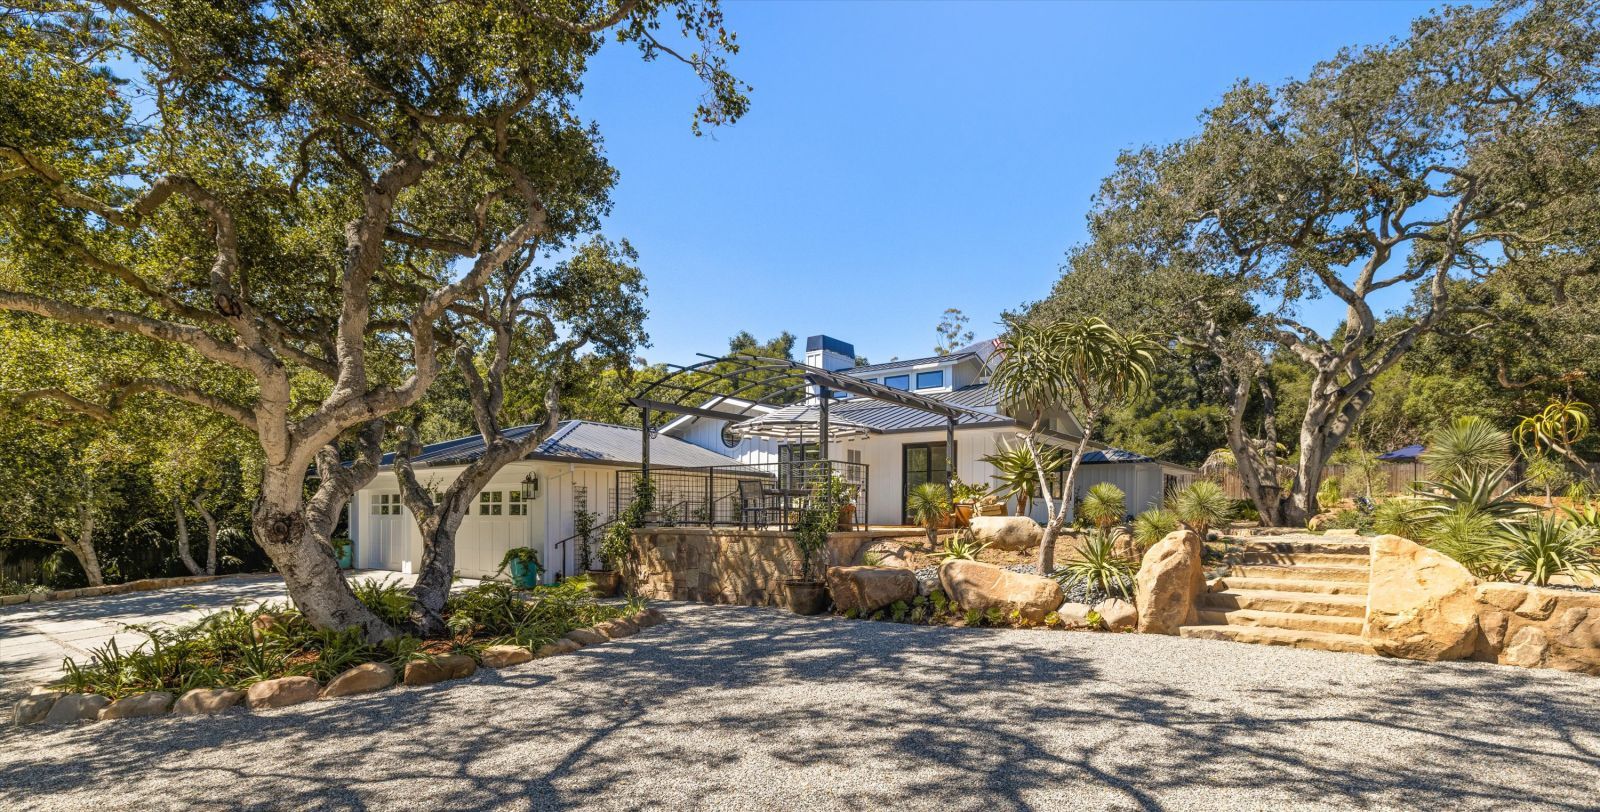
<point x="578" y="441"/>
<point x="888" y="417"/>
<point x="911" y="362"/>
<point x="1111" y="455"/>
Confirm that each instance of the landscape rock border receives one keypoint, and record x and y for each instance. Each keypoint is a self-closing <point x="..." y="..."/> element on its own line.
<point x="47" y="706"/>
<point x="141" y="585"/>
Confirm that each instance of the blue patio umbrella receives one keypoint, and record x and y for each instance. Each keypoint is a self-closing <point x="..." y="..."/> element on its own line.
<point x="1408" y="454"/>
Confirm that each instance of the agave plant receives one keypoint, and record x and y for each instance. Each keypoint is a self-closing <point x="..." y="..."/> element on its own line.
<point x="1478" y="490"/>
<point x="1467" y="445"/>
<point x="960" y="548"/>
<point x="1201" y="506"/>
<point x="1101" y="565"/>
<point x="1105" y="504"/>
<point x="1152" y="526"/>
<point x="1545" y="546"/>
<point x="928" y="504"/>
<point x="1017" y="471"/>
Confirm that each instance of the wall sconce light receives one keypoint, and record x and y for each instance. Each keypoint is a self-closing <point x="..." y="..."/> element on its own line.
<point x="530" y="486"/>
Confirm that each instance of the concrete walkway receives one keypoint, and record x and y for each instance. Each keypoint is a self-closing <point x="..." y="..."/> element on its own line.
<point x="36" y="637"/>
<point x="726" y="708"/>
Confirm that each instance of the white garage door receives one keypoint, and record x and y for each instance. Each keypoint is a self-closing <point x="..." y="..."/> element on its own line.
<point x="383" y="545"/>
<point x="499" y="521"/>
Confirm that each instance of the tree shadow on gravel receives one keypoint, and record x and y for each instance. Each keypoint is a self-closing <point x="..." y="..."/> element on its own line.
<point x="749" y="708"/>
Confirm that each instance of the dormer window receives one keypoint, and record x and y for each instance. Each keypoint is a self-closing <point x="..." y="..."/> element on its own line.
<point x="930" y="380"/>
<point x="901" y="382"/>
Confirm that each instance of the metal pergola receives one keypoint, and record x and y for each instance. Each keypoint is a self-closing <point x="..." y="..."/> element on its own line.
<point x="717" y="386"/>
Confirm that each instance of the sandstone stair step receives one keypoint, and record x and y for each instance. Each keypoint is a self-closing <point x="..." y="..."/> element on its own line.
<point x="1310" y="603"/>
<point x="1270" y="636"/>
<point x="1297" y="559"/>
<point x="1302" y="572"/>
<point x="1360" y="548"/>
<point x="1332" y="624"/>
<point x="1290" y="584"/>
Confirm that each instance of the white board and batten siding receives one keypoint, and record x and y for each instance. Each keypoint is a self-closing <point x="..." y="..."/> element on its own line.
<point x="386" y="534"/>
<point x="707" y="434"/>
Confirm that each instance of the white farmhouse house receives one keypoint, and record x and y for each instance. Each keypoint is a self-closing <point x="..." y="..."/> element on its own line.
<point x="532" y="502"/>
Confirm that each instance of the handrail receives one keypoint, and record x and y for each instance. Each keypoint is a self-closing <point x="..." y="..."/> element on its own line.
<point x="561" y="545"/>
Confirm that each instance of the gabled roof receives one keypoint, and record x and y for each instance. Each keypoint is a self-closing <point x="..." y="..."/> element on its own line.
<point x="578" y="441"/>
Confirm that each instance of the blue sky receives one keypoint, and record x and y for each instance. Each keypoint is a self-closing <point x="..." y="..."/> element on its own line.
<point x="900" y="158"/>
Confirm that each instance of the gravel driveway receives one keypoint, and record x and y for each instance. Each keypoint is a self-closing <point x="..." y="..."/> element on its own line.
<point x="737" y="708"/>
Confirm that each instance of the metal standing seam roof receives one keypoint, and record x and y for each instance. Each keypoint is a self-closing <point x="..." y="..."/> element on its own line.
<point x="888" y="417"/>
<point x="578" y="441"/>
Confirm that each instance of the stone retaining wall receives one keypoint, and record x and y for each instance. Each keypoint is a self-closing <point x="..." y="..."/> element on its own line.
<point x="142" y="585"/>
<point x="718" y="565"/>
<point x="1424" y="606"/>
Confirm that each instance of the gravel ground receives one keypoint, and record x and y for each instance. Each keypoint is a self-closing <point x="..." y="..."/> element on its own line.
<point x="737" y="708"/>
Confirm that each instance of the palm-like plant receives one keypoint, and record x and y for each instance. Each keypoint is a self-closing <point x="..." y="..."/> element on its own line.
<point x="1017" y="470"/>
<point x="1558" y="427"/>
<point x="1469" y="537"/>
<point x="928" y="505"/>
<point x="1545" y="546"/>
<point x="1468" y="444"/>
<point x="1547" y="474"/>
<point x="1152" y="526"/>
<point x="1399" y="517"/>
<point x="1084" y="365"/>
<point x="1105" y="504"/>
<point x="1200" y="506"/>
<point x="1100" y="564"/>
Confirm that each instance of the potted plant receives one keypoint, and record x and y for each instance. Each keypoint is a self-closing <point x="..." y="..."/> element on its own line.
<point x="343" y="550"/>
<point x="964" y="500"/>
<point x="618" y="540"/>
<point x="839" y="494"/>
<point x="525" y="566"/>
<point x="808" y="594"/>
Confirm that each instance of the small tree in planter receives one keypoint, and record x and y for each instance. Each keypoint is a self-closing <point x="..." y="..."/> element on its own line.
<point x="618" y="540"/>
<point x="807" y="595"/>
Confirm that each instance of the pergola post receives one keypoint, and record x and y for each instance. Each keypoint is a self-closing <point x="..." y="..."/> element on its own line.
<point x="822" y="423"/>
<point x="644" y="440"/>
<point x="950" y="454"/>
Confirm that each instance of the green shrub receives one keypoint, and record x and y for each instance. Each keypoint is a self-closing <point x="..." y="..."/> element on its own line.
<point x="1100" y="565"/>
<point x="1152" y="526"/>
<point x="387" y="599"/>
<point x="1350" y="519"/>
<point x="1545" y="546"/>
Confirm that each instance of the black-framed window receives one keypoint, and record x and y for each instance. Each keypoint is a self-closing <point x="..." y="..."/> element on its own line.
<point x="919" y="463"/>
<point x="901" y="382"/>
<point x="930" y="380"/>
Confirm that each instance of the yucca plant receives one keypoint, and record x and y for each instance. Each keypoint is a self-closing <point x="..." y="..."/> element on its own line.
<point x="1544" y="546"/>
<point x="928" y="504"/>
<point x="1105" y="504"/>
<point x="1399" y="517"/>
<point x="1100" y="565"/>
<point x="1469" y="537"/>
<point x="1466" y="445"/>
<point x="1478" y="489"/>
<point x="1201" y="506"/>
<point x="1152" y="526"/>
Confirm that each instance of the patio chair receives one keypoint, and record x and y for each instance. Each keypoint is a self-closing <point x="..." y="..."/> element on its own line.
<point x="755" y="501"/>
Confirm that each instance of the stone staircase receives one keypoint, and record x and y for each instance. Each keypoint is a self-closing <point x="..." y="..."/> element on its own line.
<point x="1304" y="591"/>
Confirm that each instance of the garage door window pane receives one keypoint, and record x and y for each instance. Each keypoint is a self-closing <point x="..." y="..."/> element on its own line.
<point x="491" y="503"/>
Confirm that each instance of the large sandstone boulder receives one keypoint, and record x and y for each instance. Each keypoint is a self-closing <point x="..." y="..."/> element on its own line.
<point x="362" y="679"/>
<point x="1171" y="580"/>
<point x="1015" y="533"/>
<point x="975" y="585"/>
<point x="32" y="708"/>
<point x="868" y="589"/>
<point x="1118" y="615"/>
<point x="281" y="692"/>
<point x="882" y="553"/>
<point x="76" y="708"/>
<point x="1421" y="604"/>
<point x="206" y="701"/>
<point x="150" y="703"/>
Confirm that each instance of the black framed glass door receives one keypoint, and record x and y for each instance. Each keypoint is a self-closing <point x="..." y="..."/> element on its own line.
<point x="919" y="463"/>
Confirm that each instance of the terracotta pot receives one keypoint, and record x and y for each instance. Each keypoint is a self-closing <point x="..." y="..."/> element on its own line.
<point x="804" y="597"/>
<point x="963" y="514"/>
<point x="847" y="518"/>
<point x="605" y="582"/>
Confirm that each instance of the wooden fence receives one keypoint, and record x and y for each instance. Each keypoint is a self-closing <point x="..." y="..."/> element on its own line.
<point x="1389" y="478"/>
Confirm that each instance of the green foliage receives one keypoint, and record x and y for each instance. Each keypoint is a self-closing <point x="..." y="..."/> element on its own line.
<point x="583" y="524"/>
<point x="818" y="518"/>
<point x="1468" y="444"/>
<point x="1477" y="490"/>
<point x="1351" y="519"/>
<point x="1534" y="550"/>
<point x="960" y="547"/>
<point x="1105" y="504"/>
<point x="1329" y="494"/>
<point x="1398" y="517"/>
<point x="527" y="556"/>
<point x="928" y="504"/>
<point x="973" y="617"/>
<point x="1153" y="525"/>
<point x="1100" y="565"/>
<point x="1017" y="472"/>
<point x="1200" y="506"/>
<point x="386" y="598"/>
